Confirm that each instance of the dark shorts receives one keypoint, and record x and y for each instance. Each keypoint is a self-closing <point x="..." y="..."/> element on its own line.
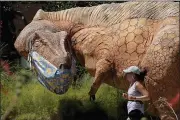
<point x="135" y="114"/>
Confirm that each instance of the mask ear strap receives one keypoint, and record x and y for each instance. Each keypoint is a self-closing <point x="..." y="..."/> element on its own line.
<point x="73" y="66"/>
<point x="73" y="56"/>
<point x="29" y="54"/>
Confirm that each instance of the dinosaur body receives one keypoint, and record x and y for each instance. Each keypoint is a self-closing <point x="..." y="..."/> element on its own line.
<point x="108" y="43"/>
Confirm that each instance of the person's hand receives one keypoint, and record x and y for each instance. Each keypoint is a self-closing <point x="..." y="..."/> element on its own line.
<point x="125" y="96"/>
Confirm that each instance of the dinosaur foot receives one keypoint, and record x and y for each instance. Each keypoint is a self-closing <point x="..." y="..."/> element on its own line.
<point x="92" y="97"/>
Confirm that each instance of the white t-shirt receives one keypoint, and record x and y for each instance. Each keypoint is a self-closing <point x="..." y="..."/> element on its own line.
<point x="132" y="105"/>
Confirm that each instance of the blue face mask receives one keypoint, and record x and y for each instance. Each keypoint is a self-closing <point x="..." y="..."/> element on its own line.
<point x="54" y="79"/>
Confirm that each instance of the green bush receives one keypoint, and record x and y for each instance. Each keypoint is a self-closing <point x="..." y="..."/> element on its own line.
<point x="36" y="102"/>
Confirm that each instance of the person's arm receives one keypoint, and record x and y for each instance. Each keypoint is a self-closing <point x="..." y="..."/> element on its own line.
<point x="143" y="91"/>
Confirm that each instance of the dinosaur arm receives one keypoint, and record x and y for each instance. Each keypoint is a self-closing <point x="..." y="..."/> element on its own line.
<point x="102" y="66"/>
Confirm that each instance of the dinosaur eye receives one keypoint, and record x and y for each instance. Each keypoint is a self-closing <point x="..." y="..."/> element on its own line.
<point x="37" y="43"/>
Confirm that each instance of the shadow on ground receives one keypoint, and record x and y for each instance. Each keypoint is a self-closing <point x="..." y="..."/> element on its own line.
<point x="76" y="110"/>
<point x="71" y="109"/>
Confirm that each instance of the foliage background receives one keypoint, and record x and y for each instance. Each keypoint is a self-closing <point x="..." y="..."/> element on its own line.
<point x="26" y="99"/>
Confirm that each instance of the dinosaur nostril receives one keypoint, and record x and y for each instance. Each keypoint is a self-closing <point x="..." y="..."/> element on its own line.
<point x="64" y="66"/>
<point x="61" y="66"/>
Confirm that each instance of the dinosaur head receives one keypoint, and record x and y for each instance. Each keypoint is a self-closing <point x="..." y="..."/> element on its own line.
<point x="48" y="47"/>
<point x="47" y="40"/>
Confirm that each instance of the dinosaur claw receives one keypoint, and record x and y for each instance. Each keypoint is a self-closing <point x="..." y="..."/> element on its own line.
<point x="92" y="97"/>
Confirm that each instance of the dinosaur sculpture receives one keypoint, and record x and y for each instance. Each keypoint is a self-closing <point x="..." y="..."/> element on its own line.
<point x="110" y="37"/>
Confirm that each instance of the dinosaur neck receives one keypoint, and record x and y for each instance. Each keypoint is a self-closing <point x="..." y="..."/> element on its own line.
<point x="87" y="43"/>
<point x="110" y="14"/>
<point x="68" y="26"/>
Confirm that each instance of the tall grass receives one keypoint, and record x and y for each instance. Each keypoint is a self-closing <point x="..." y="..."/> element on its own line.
<point x="34" y="102"/>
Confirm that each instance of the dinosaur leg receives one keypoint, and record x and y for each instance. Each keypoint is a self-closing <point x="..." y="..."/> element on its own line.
<point x="162" y="59"/>
<point x="159" y="104"/>
<point x="102" y="66"/>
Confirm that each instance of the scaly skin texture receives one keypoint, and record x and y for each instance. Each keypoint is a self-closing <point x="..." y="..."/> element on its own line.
<point x="108" y="43"/>
<point x="142" y="42"/>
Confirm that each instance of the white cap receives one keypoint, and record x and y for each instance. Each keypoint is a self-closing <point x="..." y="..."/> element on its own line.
<point x="133" y="69"/>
